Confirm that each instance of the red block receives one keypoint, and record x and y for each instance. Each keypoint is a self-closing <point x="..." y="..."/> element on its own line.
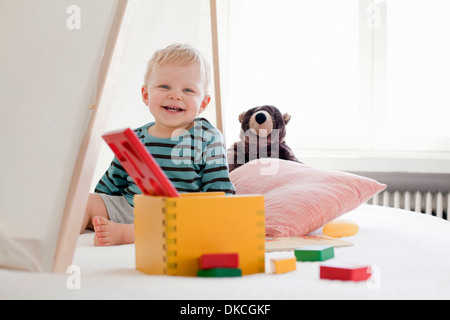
<point x="139" y="163"/>
<point x="219" y="260"/>
<point x="345" y="272"/>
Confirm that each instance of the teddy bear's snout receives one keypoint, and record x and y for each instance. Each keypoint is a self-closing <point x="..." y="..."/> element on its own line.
<point x="261" y="124"/>
<point x="260" y="118"/>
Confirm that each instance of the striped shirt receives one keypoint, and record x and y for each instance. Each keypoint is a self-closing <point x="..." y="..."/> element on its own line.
<point x="194" y="161"/>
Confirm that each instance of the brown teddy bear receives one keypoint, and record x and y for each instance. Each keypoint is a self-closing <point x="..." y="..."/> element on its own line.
<point x="263" y="130"/>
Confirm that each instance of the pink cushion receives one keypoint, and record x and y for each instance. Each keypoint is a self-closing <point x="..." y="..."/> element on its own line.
<point x="300" y="199"/>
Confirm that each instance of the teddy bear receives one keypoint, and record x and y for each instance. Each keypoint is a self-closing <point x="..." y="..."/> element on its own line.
<point x="263" y="132"/>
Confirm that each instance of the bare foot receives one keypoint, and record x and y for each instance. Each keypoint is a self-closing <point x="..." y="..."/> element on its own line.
<point x="109" y="233"/>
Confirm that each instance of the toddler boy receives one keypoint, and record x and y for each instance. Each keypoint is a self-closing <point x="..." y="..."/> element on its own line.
<point x="189" y="149"/>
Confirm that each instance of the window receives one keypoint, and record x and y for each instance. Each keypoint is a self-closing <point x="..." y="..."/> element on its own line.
<point x="417" y="113"/>
<point x="365" y="76"/>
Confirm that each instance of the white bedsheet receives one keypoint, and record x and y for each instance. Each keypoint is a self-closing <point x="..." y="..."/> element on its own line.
<point x="410" y="253"/>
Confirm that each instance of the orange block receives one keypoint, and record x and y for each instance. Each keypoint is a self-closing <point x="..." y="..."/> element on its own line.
<point x="340" y="228"/>
<point x="283" y="265"/>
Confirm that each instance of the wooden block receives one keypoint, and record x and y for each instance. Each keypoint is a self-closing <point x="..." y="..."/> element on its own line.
<point x="172" y="233"/>
<point x="340" y="228"/>
<point x="283" y="265"/>
<point x="345" y="272"/>
<point x="220" y="272"/>
<point x="218" y="260"/>
<point x="314" y="253"/>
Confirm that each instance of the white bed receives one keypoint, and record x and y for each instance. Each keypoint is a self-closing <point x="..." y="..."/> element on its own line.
<point x="409" y="252"/>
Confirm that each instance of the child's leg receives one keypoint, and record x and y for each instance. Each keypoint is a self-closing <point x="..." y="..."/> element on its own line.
<point x="110" y="233"/>
<point x="107" y="232"/>
<point x="95" y="207"/>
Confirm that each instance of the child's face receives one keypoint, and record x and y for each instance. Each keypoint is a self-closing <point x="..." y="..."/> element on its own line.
<point x="175" y="96"/>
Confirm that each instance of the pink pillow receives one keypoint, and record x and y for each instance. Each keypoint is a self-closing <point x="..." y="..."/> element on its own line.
<point x="300" y="199"/>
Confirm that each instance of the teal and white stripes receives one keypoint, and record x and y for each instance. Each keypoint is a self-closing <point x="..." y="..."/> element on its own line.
<point x="195" y="161"/>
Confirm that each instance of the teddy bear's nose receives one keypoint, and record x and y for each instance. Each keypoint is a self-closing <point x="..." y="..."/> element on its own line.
<point x="260" y="118"/>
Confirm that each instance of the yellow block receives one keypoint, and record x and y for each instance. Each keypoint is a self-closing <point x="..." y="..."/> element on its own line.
<point x="172" y="233"/>
<point x="283" y="265"/>
<point x="340" y="228"/>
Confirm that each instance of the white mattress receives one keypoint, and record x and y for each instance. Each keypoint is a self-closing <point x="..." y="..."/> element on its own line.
<point x="410" y="253"/>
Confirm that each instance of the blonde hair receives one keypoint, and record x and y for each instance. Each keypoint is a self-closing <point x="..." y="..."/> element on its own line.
<point x="181" y="54"/>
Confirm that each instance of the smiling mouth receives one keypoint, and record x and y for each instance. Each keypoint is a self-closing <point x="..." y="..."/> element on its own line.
<point x="173" y="109"/>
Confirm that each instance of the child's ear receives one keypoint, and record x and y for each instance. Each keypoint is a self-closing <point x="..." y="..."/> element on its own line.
<point x="144" y="92"/>
<point x="205" y="103"/>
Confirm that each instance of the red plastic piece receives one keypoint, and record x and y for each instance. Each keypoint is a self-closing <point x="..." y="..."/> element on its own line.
<point x="139" y="163"/>
<point x="219" y="260"/>
<point x="345" y="272"/>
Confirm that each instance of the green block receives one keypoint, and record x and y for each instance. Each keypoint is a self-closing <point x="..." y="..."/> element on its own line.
<point x="220" y="272"/>
<point x="314" y="253"/>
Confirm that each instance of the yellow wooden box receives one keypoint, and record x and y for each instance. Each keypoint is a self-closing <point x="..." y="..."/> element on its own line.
<point x="172" y="233"/>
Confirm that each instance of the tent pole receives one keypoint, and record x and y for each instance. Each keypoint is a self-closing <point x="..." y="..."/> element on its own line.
<point x="215" y="49"/>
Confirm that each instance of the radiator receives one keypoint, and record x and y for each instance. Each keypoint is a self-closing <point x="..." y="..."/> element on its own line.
<point x="432" y="203"/>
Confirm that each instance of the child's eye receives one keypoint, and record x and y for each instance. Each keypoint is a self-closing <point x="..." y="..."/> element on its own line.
<point x="164" y="86"/>
<point x="188" y="90"/>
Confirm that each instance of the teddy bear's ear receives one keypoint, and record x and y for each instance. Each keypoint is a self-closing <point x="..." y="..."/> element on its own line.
<point x="241" y="116"/>
<point x="286" y="118"/>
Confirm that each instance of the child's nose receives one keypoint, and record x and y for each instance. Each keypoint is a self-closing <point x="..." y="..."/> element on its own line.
<point x="175" y="95"/>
